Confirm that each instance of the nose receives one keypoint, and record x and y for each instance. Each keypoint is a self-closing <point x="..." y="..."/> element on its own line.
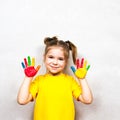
<point x="55" y="61"/>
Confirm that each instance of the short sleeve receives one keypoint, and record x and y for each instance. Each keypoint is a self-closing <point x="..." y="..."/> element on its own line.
<point x="34" y="87"/>
<point x="76" y="89"/>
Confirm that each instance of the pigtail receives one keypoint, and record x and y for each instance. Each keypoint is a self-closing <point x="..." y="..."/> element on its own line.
<point x="73" y="48"/>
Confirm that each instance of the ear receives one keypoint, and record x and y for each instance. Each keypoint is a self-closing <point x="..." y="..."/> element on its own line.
<point x="44" y="57"/>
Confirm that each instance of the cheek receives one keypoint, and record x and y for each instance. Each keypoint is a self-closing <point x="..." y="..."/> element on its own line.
<point x="47" y="61"/>
<point x="63" y="64"/>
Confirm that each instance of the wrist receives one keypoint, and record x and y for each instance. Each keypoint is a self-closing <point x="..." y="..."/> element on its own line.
<point x="28" y="78"/>
<point x="81" y="79"/>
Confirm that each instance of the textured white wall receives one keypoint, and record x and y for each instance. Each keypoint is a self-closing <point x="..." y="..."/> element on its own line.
<point x="93" y="25"/>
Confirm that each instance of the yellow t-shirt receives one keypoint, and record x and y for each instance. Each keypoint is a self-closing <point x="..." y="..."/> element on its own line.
<point x="54" y="97"/>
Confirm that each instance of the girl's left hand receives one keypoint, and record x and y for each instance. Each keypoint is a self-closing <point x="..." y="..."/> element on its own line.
<point x="81" y="68"/>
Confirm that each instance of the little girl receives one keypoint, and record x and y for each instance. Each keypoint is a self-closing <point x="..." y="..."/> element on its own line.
<point x="53" y="92"/>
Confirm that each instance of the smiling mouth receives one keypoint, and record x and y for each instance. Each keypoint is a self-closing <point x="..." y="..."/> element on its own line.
<point x="53" y="67"/>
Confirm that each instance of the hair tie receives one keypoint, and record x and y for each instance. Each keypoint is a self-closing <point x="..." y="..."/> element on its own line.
<point x="68" y="44"/>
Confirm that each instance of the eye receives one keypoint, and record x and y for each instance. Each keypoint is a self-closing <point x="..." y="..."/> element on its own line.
<point x="61" y="58"/>
<point x="50" y="56"/>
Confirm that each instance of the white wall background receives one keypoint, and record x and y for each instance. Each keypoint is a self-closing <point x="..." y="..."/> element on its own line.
<point x="93" y="25"/>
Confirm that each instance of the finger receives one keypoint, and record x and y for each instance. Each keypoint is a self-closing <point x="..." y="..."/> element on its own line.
<point x="77" y="63"/>
<point x="88" y="67"/>
<point x="23" y="65"/>
<point x="29" y="61"/>
<point x="38" y="67"/>
<point x="25" y="61"/>
<point x="85" y="63"/>
<point x="33" y="61"/>
<point x="73" y="69"/>
<point x="82" y="61"/>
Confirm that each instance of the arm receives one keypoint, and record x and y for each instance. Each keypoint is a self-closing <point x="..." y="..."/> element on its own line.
<point x="86" y="96"/>
<point x="23" y="95"/>
<point x="80" y="73"/>
<point x="30" y="71"/>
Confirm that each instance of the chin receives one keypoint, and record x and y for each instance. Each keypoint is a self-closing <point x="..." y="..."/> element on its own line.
<point x="55" y="73"/>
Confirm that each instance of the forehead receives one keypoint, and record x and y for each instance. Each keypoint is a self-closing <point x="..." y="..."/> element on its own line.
<point x="56" y="50"/>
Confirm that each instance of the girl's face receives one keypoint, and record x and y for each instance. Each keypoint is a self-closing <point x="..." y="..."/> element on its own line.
<point x="55" y="60"/>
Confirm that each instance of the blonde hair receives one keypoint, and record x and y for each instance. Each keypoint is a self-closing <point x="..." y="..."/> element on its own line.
<point x="66" y="45"/>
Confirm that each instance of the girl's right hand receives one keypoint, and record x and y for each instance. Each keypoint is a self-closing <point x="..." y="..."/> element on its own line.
<point x="28" y="66"/>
